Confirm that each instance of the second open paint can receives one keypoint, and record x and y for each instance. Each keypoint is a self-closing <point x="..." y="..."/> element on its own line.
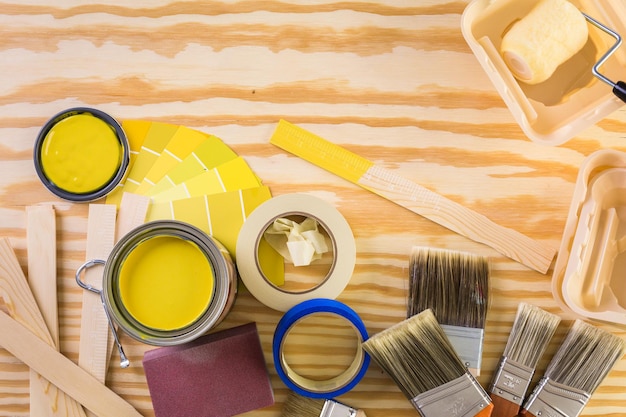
<point x="167" y="282"/>
<point x="81" y="154"/>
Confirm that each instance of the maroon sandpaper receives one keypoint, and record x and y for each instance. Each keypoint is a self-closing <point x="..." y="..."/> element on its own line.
<point x="217" y="375"/>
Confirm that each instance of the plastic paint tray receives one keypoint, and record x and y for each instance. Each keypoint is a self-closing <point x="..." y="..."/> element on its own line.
<point x="572" y="99"/>
<point x="589" y="276"/>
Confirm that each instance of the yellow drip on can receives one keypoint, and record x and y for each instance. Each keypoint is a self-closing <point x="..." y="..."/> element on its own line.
<point x="81" y="154"/>
<point x="166" y="283"/>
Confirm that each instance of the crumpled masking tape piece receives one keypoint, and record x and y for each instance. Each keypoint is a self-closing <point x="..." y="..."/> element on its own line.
<point x="550" y="34"/>
<point x="250" y="240"/>
<point x="298" y="243"/>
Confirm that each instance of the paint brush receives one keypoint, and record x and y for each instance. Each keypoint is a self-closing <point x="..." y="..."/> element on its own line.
<point x="454" y="285"/>
<point x="300" y="406"/>
<point x="532" y="330"/>
<point x="577" y="368"/>
<point x="418" y="356"/>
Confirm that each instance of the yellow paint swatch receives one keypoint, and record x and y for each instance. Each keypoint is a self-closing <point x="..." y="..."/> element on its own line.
<point x="183" y="142"/>
<point x="156" y="139"/>
<point x="211" y="153"/>
<point x="230" y="176"/>
<point x="196" y="178"/>
<point x="219" y="215"/>
<point x="136" y="131"/>
<point x="222" y="216"/>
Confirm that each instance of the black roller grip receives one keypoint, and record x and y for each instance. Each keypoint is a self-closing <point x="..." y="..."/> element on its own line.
<point x="619" y="89"/>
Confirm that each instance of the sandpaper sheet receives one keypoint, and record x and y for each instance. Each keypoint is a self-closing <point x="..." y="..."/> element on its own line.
<point x="217" y="375"/>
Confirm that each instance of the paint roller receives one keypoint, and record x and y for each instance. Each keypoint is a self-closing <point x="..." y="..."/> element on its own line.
<point x="550" y="34"/>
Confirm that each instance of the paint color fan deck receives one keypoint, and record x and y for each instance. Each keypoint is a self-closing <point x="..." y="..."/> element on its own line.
<point x="191" y="176"/>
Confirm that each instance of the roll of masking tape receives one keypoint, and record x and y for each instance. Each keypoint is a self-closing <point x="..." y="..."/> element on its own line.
<point x="314" y="388"/>
<point x="335" y="225"/>
<point x="550" y="34"/>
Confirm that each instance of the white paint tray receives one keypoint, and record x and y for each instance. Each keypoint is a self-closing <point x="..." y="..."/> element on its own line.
<point x="589" y="276"/>
<point x="573" y="99"/>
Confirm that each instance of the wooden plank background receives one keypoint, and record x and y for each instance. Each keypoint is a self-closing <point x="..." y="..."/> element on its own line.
<point x="392" y="80"/>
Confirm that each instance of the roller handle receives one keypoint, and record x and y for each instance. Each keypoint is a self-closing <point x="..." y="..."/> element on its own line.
<point x="504" y="408"/>
<point x="619" y="89"/>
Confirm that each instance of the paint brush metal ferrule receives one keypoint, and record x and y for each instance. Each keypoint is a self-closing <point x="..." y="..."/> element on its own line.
<point x="549" y="398"/>
<point x="468" y="344"/>
<point x="461" y="397"/>
<point x="511" y="380"/>
<point x="333" y="408"/>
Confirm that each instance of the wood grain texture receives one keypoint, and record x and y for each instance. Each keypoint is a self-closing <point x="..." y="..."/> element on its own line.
<point x="392" y="81"/>
<point x="94" y="353"/>
<point x="18" y="303"/>
<point x="42" y="278"/>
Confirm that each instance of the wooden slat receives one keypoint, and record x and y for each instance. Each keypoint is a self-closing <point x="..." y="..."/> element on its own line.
<point x="391" y="80"/>
<point x="94" y="326"/>
<point x="19" y="303"/>
<point x="42" y="277"/>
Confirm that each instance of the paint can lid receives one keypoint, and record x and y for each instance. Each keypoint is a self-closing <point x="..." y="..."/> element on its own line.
<point x="81" y="154"/>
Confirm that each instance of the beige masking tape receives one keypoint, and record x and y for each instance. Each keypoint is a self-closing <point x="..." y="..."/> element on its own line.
<point x="251" y="235"/>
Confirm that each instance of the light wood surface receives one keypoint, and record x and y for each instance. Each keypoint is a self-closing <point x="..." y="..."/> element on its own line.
<point x="42" y="272"/>
<point x="93" y="347"/>
<point x="18" y="303"/>
<point x="393" y="81"/>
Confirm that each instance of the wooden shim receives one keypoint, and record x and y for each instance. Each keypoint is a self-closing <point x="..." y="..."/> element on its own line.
<point x="17" y="298"/>
<point x="132" y="213"/>
<point x="41" y="248"/>
<point x="42" y="265"/>
<point x="94" y="326"/>
<point x="64" y="373"/>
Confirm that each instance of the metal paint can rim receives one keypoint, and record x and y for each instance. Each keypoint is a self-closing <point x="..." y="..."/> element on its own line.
<point x="106" y="188"/>
<point x="224" y="274"/>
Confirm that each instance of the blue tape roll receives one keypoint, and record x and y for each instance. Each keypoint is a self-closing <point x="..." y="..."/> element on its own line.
<point x="313" y="388"/>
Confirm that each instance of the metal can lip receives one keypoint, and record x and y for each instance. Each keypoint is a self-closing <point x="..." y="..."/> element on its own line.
<point x="108" y="186"/>
<point x="224" y="274"/>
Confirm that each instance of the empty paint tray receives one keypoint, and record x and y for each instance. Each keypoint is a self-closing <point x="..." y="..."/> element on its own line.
<point x="572" y="99"/>
<point x="590" y="272"/>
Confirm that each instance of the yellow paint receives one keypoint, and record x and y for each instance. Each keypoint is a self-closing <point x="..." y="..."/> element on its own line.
<point x="320" y="152"/>
<point x="81" y="154"/>
<point x="166" y="283"/>
<point x="221" y="216"/>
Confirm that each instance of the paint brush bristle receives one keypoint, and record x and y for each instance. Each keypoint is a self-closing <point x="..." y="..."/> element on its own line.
<point x="300" y="406"/>
<point x="416" y="354"/>
<point x="585" y="357"/>
<point x="532" y="330"/>
<point x="454" y="285"/>
<point x="579" y="366"/>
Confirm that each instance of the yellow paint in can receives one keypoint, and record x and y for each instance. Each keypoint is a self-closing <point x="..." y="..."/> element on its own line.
<point x="166" y="282"/>
<point x="81" y="154"/>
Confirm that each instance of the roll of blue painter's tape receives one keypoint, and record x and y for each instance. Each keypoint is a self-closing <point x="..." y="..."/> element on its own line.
<point x="313" y="388"/>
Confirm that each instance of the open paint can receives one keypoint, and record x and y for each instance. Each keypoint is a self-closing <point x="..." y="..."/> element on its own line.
<point x="81" y="154"/>
<point x="166" y="282"/>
